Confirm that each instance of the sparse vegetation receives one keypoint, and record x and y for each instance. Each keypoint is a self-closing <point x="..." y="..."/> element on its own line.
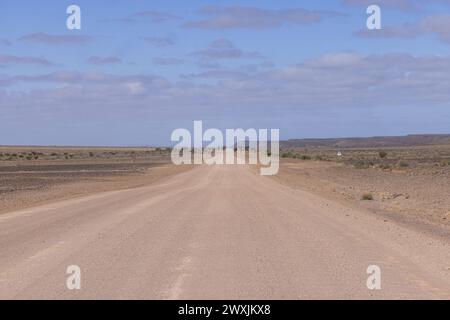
<point x="421" y="173"/>
<point x="62" y="154"/>
<point x="361" y="164"/>
<point x="318" y="158"/>
<point x="292" y="155"/>
<point x="36" y="170"/>
<point x="403" y="164"/>
<point x="382" y="154"/>
<point x="445" y="163"/>
<point x="367" y="197"/>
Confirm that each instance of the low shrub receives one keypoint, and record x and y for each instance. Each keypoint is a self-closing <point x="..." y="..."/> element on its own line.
<point x="403" y="164"/>
<point x="361" y="164"/>
<point x="318" y="158"/>
<point x="367" y="197"/>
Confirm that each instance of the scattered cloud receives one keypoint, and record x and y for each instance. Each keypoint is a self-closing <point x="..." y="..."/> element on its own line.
<point x="225" y="49"/>
<point x="155" y="16"/>
<point x="267" y="64"/>
<point x="217" y="70"/>
<point x="103" y="60"/>
<point x="152" y="16"/>
<point x="5" y="42"/>
<point x="53" y="39"/>
<point x="220" y="74"/>
<point x="10" y="59"/>
<point x="438" y="25"/>
<point x="167" y="61"/>
<point x="208" y="64"/>
<point x="159" y="41"/>
<point x="334" y="80"/>
<point x="406" y="30"/>
<point x="402" y="5"/>
<point x="255" y="18"/>
<point x="94" y="80"/>
<point x="126" y="20"/>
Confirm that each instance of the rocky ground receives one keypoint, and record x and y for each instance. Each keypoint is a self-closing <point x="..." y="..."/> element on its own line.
<point x="30" y="176"/>
<point x="403" y="183"/>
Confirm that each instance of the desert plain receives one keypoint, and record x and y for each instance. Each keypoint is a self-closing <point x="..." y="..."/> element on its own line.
<point x="140" y="227"/>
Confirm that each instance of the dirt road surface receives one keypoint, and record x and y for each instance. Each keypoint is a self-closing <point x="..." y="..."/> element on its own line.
<point x="217" y="232"/>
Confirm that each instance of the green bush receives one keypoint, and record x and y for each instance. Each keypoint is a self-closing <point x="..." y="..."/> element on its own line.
<point x="445" y="163"/>
<point x="403" y="164"/>
<point x="382" y="154"/>
<point x="361" y="164"/>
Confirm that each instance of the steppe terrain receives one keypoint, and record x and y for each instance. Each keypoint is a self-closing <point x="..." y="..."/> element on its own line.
<point x="405" y="183"/>
<point x="36" y="175"/>
<point x="141" y="228"/>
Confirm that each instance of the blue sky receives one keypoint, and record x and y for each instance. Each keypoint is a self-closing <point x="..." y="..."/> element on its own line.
<point x="137" y="70"/>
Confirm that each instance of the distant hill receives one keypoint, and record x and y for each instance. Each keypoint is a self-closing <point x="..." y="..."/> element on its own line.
<point x="370" y="142"/>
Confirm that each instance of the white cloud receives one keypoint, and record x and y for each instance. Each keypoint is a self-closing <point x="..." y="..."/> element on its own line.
<point x="438" y="25"/>
<point x="331" y="81"/>
<point x="238" y="17"/>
